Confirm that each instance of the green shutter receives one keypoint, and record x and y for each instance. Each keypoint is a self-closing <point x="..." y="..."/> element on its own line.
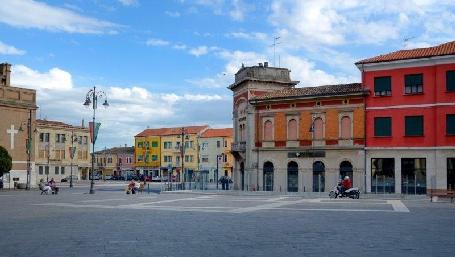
<point x="450" y="80"/>
<point x="414" y="126"/>
<point x="413" y="80"/>
<point x="154" y="144"/>
<point x="382" y="126"/>
<point x="450" y="124"/>
<point x="382" y="84"/>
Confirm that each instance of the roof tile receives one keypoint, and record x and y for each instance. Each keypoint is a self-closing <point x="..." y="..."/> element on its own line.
<point x="221" y="132"/>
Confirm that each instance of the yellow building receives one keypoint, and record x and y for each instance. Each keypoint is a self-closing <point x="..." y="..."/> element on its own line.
<point x="147" y="153"/>
<point x="170" y="154"/>
<point x="52" y="150"/>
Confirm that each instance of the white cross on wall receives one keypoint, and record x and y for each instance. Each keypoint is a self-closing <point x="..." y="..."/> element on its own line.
<point x="12" y="132"/>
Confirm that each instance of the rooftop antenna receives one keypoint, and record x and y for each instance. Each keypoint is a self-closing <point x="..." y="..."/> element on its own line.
<point x="406" y="40"/>
<point x="275" y="42"/>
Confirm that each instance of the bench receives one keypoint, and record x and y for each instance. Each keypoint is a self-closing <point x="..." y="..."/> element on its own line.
<point x="443" y="194"/>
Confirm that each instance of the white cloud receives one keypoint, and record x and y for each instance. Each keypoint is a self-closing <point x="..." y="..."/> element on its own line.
<point x="32" y="14"/>
<point x="172" y="14"/>
<point x="237" y="11"/>
<point x="248" y="35"/>
<point x="10" y="50"/>
<point x="180" y="46"/>
<point x="55" y="78"/>
<point x="156" y="42"/>
<point x="129" y="2"/>
<point x="198" y="51"/>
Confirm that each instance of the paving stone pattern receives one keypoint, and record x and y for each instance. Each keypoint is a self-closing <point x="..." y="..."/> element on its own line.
<point x="111" y="223"/>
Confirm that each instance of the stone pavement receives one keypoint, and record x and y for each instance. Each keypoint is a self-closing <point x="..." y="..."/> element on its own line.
<point x="111" y="223"/>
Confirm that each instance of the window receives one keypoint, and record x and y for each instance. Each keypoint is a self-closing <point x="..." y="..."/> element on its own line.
<point x="318" y="129"/>
<point x="109" y="160"/>
<point x="413" y="176"/>
<point x="205" y="159"/>
<point x="139" y="158"/>
<point x="167" y="145"/>
<point x="450" y="81"/>
<point x="218" y="144"/>
<point x="44" y="137"/>
<point x="60" y="138"/>
<point x="120" y="161"/>
<point x="224" y="158"/>
<point x="140" y="144"/>
<point x="225" y="143"/>
<point x="85" y="140"/>
<point x="346" y="127"/>
<point x="383" y="86"/>
<point x="46" y="170"/>
<point x="382" y="126"/>
<point x="40" y="170"/>
<point x="268" y="130"/>
<point x="450" y="124"/>
<point x="80" y="140"/>
<point x="413" y="84"/>
<point x="56" y="170"/>
<point x="154" y="157"/>
<point x="62" y="170"/>
<point x="154" y="144"/>
<point x="413" y="126"/>
<point x="187" y="157"/>
<point x="167" y="158"/>
<point x="292" y="129"/>
<point x="383" y="175"/>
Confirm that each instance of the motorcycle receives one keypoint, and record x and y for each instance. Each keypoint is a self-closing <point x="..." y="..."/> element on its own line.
<point x="352" y="192"/>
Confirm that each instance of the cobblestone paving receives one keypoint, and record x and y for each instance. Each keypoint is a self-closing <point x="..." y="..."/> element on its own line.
<point x="111" y="223"/>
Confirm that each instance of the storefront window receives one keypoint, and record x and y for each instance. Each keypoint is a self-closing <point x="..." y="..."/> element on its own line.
<point x="413" y="176"/>
<point x="383" y="175"/>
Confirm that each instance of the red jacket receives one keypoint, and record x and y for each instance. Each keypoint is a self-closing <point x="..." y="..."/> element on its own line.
<point x="346" y="184"/>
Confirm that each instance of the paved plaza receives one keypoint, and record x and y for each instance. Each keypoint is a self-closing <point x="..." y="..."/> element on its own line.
<point x="111" y="223"/>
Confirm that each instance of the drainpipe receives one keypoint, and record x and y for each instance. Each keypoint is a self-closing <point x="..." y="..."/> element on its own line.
<point x="364" y="135"/>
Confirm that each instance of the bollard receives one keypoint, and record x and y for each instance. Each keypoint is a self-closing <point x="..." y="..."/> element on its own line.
<point x="148" y="188"/>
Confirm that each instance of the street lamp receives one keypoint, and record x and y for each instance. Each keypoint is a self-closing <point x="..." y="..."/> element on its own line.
<point x="92" y="99"/>
<point x="28" y="147"/>
<point x="72" y="152"/>
<point x="218" y="157"/>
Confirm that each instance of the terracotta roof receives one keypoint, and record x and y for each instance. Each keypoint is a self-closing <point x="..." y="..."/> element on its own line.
<point x="53" y="123"/>
<point x="222" y="132"/>
<point x="440" y="50"/>
<point x="172" y="131"/>
<point x="117" y="150"/>
<point x="328" y="90"/>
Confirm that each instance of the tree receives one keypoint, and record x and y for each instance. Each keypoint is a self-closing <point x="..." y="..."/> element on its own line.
<point x="6" y="162"/>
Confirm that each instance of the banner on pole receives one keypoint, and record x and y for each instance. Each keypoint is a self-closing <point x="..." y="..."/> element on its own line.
<point x="94" y="131"/>
<point x="72" y="151"/>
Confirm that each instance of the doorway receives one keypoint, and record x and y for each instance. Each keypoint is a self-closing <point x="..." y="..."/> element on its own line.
<point x="268" y="176"/>
<point x="318" y="177"/>
<point x="293" y="177"/>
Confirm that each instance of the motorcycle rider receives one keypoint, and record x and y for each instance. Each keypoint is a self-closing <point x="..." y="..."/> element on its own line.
<point x="345" y="184"/>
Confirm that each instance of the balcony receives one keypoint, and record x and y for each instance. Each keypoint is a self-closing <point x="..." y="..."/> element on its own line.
<point x="238" y="147"/>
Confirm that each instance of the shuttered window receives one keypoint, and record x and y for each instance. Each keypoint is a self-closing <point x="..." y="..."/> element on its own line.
<point x="414" y="125"/>
<point x="382" y="86"/>
<point x="450" y="81"/>
<point x="450" y="124"/>
<point x="382" y="127"/>
<point x="413" y="84"/>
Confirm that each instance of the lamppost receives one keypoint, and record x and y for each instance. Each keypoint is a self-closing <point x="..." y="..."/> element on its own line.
<point x="182" y="155"/>
<point x="92" y="98"/>
<point x="218" y="157"/>
<point x="28" y="147"/>
<point x="72" y="152"/>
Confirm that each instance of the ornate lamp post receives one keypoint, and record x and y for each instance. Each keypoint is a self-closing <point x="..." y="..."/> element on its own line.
<point x="28" y="147"/>
<point x="92" y="99"/>
<point x="72" y="153"/>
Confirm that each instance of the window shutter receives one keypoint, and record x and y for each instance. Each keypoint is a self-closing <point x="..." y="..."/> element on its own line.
<point x="382" y="126"/>
<point x="414" y="126"/>
<point x="450" y="124"/>
<point x="450" y="80"/>
<point x="382" y="84"/>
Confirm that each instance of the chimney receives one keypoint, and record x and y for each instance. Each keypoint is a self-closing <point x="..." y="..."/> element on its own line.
<point x="266" y="64"/>
<point x="5" y="74"/>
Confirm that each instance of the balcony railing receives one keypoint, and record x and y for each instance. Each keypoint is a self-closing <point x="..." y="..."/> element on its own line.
<point x="238" y="147"/>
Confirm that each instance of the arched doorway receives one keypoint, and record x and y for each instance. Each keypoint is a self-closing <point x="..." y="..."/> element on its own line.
<point x="242" y="175"/>
<point x="318" y="177"/>
<point x="268" y="176"/>
<point x="293" y="177"/>
<point x="346" y="170"/>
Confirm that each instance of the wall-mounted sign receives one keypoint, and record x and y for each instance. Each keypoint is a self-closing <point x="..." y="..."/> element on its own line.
<point x="307" y="154"/>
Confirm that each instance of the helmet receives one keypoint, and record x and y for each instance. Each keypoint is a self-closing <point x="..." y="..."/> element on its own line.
<point x="346" y="178"/>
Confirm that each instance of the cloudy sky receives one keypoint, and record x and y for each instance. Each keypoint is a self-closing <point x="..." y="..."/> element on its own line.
<point x="168" y="63"/>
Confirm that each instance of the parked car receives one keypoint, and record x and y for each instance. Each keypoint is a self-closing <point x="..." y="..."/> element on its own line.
<point x="108" y="177"/>
<point x="68" y="178"/>
<point x="95" y="177"/>
<point x="156" y="179"/>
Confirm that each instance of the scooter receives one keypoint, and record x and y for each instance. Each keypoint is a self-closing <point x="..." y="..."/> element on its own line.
<point x="352" y="192"/>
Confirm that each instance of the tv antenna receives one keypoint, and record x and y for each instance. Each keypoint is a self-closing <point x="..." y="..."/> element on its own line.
<point x="275" y="42"/>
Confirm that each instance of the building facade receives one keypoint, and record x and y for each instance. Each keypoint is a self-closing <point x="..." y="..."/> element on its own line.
<point x="410" y="118"/>
<point x="116" y="161"/>
<point x="295" y="139"/>
<point x="215" y="153"/>
<point x="17" y="112"/>
<point x="147" y="154"/>
<point x="52" y="151"/>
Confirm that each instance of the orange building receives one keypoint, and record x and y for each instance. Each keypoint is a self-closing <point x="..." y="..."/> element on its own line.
<point x="296" y="139"/>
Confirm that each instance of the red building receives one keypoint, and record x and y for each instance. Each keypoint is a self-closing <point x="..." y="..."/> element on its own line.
<point x="410" y="120"/>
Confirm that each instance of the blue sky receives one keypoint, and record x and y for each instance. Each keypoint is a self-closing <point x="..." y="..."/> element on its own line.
<point x="168" y="63"/>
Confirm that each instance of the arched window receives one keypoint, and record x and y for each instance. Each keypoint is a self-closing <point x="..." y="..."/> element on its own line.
<point x="293" y="177"/>
<point x="268" y="131"/>
<point x="345" y="127"/>
<point x="267" y="177"/>
<point x="346" y="170"/>
<point x="243" y="132"/>
<point x="318" y="128"/>
<point x="292" y="129"/>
